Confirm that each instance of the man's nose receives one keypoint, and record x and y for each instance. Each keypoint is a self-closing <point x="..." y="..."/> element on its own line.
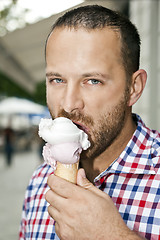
<point x="72" y="99"/>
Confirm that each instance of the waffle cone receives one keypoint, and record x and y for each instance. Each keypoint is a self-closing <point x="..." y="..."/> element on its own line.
<point x="67" y="171"/>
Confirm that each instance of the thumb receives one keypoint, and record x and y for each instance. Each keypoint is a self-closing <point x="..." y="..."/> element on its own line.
<point x="82" y="180"/>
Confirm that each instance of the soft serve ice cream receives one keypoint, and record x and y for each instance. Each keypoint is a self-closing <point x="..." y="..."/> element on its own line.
<point x="65" y="142"/>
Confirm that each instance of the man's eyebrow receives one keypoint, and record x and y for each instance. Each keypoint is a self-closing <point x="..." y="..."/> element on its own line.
<point x="84" y="75"/>
<point x="95" y="74"/>
<point x="51" y="74"/>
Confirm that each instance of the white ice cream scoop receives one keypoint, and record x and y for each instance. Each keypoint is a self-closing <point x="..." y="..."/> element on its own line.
<point x="62" y="130"/>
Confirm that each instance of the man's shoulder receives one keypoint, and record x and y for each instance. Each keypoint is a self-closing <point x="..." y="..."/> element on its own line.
<point x="150" y="135"/>
<point x="153" y="136"/>
<point x="153" y="147"/>
<point x="41" y="174"/>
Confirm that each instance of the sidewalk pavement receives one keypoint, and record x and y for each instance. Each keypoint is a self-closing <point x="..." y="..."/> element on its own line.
<point x="13" y="182"/>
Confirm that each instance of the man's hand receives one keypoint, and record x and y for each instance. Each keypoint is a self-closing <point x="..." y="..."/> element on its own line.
<point x="84" y="212"/>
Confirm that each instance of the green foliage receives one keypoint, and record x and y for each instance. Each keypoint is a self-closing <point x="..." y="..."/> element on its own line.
<point x="40" y="93"/>
<point x="10" y="88"/>
<point x="6" y="11"/>
<point x="9" y="19"/>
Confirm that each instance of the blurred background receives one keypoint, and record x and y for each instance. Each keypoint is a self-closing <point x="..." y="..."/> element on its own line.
<point x="24" y="25"/>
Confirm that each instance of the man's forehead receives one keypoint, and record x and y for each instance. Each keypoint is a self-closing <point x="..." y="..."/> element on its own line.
<point x="70" y="32"/>
<point x="64" y="40"/>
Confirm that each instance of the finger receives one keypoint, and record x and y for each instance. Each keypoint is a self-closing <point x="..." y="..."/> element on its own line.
<point x="57" y="229"/>
<point x="55" y="200"/>
<point x="61" y="187"/>
<point x="54" y="213"/>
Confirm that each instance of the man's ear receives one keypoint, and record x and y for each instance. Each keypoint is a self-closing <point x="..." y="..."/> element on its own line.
<point x="138" y="83"/>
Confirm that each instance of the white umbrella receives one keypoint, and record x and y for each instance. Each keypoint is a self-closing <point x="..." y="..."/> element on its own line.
<point x="15" y="105"/>
<point x="16" y="112"/>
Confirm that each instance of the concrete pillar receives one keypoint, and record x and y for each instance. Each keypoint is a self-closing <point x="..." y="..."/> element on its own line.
<point x="145" y="15"/>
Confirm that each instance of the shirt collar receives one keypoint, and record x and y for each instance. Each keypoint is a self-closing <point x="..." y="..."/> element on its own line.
<point x="137" y="156"/>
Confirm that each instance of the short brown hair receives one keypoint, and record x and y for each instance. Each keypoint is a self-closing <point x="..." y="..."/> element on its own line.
<point x="93" y="17"/>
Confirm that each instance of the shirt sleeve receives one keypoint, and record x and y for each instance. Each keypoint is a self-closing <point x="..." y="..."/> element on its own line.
<point x="23" y="224"/>
<point x="36" y="222"/>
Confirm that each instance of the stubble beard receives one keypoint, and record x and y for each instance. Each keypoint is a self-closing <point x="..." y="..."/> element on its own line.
<point x="109" y="128"/>
<point x="105" y="131"/>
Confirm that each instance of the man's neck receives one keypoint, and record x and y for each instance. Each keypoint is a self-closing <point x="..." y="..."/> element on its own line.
<point x="103" y="161"/>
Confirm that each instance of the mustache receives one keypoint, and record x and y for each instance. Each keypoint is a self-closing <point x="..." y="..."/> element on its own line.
<point x="76" y="116"/>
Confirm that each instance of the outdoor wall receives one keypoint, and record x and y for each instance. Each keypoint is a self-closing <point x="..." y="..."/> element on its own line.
<point x="145" y="14"/>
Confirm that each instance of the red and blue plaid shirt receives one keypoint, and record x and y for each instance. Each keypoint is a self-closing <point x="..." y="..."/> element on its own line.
<point x="132" y="181"/>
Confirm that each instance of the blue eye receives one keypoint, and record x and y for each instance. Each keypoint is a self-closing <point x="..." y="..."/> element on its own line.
<point x="56" y="80"/>
<point x="94" y="81"/>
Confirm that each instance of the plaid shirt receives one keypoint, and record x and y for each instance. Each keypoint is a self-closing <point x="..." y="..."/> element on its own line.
<point x="132" y="181"/>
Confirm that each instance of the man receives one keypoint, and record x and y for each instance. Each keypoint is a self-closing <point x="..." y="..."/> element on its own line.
<point x="93" y="78"/>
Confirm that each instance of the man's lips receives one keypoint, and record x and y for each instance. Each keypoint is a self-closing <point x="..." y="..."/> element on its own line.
<point x="82" y="127"/>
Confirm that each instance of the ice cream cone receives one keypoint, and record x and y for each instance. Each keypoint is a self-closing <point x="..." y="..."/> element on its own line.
<point x="67" y="171"/>
<point x="64" y="144"/>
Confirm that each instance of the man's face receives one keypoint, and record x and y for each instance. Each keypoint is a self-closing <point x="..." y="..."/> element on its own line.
<point x="86" y="82"/>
